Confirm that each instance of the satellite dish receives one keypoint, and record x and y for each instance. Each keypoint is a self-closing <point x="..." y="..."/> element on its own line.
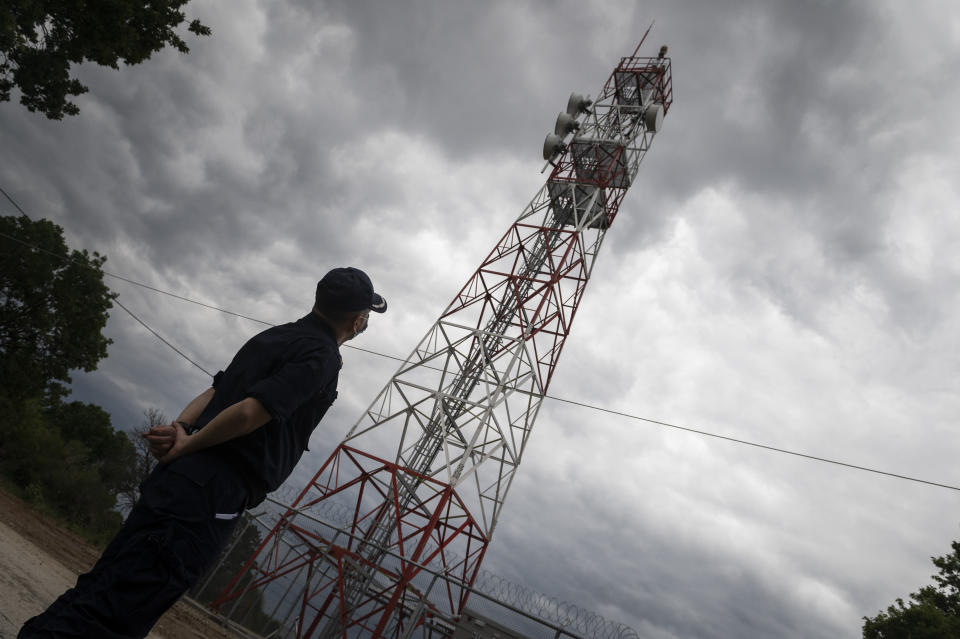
<point x="552" y="145"/>
<point x="578" y="104"/>
<point x="565" y="124"/>
<point x="653" y="117"/>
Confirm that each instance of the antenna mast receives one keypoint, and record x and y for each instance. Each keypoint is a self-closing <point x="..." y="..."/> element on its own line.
<point x="459" y="411"/>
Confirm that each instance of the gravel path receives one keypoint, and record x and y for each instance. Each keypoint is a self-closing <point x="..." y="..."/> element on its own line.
<point x="39" y="560"/>
<point x="29" y="580"/>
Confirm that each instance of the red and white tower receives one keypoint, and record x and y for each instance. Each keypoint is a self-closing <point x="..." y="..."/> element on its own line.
<point x="424" y="473"/>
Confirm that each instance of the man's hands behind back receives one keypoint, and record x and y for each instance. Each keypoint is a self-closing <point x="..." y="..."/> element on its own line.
<point x="161" y="439"/>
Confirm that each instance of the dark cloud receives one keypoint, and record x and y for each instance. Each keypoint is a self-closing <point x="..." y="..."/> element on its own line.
<point x="782" y="270"/>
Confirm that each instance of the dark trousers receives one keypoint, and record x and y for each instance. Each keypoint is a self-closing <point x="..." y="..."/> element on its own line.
<point x="170" y="538"/>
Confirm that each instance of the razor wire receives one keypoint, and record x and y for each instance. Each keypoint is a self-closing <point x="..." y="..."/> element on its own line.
<point x="563" y="613"/>
<point x="582" y="621"/>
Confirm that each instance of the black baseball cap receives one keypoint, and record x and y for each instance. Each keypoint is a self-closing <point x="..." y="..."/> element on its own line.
<point x="348" y="289"/>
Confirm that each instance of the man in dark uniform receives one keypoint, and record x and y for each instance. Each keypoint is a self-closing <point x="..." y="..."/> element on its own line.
<point x="231" y="445"/>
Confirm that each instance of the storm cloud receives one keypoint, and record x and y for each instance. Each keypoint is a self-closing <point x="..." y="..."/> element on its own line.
<point x="784" y="270"/>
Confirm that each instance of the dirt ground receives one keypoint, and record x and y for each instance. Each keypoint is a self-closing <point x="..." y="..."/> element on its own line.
<point x="39" y="559"/>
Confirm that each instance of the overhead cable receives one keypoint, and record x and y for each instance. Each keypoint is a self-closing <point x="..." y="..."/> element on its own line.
<point x="140" y="284"/>
<point x="160" y="337"/>
<point x="749" y="443"/>
<point x="115" y="300"/>
<point x="551" y="397"/>
<point x="7" y="195"/>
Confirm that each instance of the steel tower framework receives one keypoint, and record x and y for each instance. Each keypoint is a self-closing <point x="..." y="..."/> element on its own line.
<point x="460" y="409"/>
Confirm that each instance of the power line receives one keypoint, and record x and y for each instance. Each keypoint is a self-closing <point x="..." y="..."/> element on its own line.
<point x="115" y="299"/>
<point x="140" y="284"/>
<point x="754" y="444"/>
<point x="179" y="297"/>
<point x="7" y="195"/>
<point x="709" y="434"/>
<point x="187" y="299"/>
<point x="551" y="397"/>
<point x="160" y="337"/>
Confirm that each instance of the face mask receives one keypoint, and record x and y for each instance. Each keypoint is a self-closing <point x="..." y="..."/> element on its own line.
<point x="366" y="323"/>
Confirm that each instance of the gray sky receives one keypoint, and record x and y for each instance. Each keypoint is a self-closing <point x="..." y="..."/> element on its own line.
<point x="784" y="269"/>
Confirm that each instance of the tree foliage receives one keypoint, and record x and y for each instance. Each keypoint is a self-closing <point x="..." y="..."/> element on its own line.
<point x="933" y="612"/>
<point x="68" y="460"/>
<point x="64" y="457"/>
<point x="53" y="308"/>
<point x="41" y="39"/>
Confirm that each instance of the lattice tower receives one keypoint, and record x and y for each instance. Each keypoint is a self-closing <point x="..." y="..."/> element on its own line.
<point x="459" y="411"/>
